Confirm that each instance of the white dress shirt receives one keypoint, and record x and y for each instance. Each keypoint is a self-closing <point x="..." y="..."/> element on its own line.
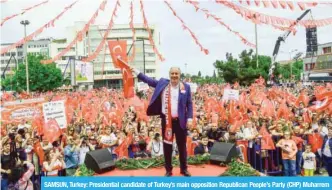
<point x="326" y="150"/>
<point x="174" y="99"/>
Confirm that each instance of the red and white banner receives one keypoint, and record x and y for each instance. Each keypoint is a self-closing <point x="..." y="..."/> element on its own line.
<point x="283" y="4"/>
<point x="21" y="13"/>
<point x="15" y="111"/>
<point x="79" y="36"/>
<point x="146" y="25"/>
<point x="217" y="19"/>
<point x="108" y="30"/>
<point x="260" y="18"/>
<point x="206" y="51"/>
<point x="131" y="24"/>
<point x="38" y="31"/>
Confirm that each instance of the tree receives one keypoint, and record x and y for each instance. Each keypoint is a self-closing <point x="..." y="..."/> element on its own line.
<point x="284" y="70"/>
<point x="182" y="76"/>
<point x="41" y="77"/>
<point x="244" y="69"/>
<point x="199" y="74"/>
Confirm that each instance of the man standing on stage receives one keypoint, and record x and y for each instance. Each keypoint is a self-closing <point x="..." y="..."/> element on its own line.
<point x="327" y="151"/>
<point x="172" y="101"/>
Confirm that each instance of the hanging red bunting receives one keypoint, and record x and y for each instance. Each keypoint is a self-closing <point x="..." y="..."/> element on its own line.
<point x="217" y="19"/>
<point x="292" y="29"/>
<point x="79" y="36"/>
<point x="131" y="24"/>
<point x="260" y="18"/>
<point x="146" y="25"/>
<point x="206" y="51"/>
<point x="103" y="41"/>
<point x="38" y="31"/>
<point x="283" y="4"/>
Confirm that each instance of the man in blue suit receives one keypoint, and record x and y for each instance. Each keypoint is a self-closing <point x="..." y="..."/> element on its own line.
<point x="327" y="151"/>
<point x="172" y="101"/>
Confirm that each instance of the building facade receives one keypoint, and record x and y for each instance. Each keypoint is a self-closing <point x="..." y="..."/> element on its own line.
<point x="318" y="67"/>
<point x="104" y="73"/>
<point x="11" y="59"/>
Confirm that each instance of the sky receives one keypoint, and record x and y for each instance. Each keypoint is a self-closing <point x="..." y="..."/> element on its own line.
<point x="176" y="44"/>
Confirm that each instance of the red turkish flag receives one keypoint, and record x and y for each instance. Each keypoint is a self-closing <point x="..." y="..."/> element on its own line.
<point x="38" y="123"/>
<point x="122" y="149"/>
<point x="40" y="152"/>
<point x="52" y="130"/>
<point x="118" y="51"/>
<point x="243" y="144"/>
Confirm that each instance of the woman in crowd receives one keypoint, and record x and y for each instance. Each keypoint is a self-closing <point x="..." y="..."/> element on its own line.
<point x="54" y="162"/>
<point x="5" y="164"/>
<point x="21" y="176"/>
<point x="108" y="139"/>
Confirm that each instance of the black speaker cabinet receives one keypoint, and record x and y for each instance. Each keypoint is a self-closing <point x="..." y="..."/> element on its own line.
<point x="222" y="152"/>
<point x="99" y="161"/>
<point x="311" y="38"/>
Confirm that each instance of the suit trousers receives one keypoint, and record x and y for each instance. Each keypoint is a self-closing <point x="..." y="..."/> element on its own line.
<point x="181" y="141"/>
<point x="328" y="164"/>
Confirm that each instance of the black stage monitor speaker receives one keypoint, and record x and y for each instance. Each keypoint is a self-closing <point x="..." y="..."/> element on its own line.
<point x="99" y="160"/>
<point x="222" y="152"/>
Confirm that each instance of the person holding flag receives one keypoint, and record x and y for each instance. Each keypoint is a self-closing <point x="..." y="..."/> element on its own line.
<point x="172" y="101"/>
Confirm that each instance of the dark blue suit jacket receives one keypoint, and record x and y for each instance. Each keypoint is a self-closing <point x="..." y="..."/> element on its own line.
<point x="185" y="107"/>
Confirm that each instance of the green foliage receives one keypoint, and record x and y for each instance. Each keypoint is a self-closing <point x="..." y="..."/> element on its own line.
<point x="79" y="77"/>
<point x="133" y="164"/>
<point x="67" y="81"/>
<point x="236" y="168"/>
<point x="42" y="77"/>
<point x="285" y="72"/>
<point x="244" y="69"/>
<point x="84" y="171"/>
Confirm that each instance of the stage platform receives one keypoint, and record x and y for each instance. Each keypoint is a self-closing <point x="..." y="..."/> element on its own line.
<point x="201" y="170"/>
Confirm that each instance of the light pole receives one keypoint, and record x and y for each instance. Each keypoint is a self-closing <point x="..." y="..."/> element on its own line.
<point x="138" y="40"/>
<point x="185" y="71"/>
<point x="256" y="44"/>
<point x="25" y="23"/>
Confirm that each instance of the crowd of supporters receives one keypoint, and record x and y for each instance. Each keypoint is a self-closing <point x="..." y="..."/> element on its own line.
<point x="278" y="130"/>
